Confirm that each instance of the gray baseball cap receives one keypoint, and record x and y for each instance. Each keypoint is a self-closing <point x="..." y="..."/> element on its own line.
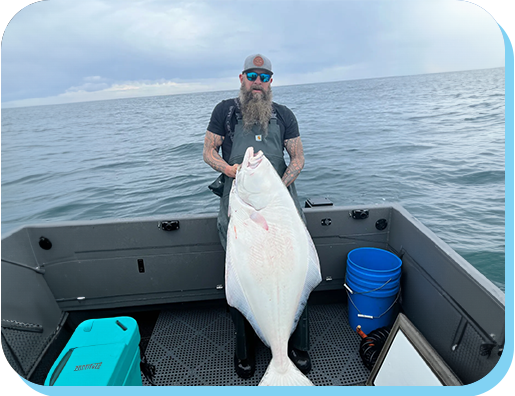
<point x="257" y="61"/>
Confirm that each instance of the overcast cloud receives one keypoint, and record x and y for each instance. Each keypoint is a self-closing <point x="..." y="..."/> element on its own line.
<point x="61" y="51"/>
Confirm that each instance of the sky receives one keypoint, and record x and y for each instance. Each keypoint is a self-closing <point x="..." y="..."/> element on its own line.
<point x="63" y="51"/>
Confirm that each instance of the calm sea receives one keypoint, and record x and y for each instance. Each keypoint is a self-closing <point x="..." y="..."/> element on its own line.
<point x="433" y="143"/>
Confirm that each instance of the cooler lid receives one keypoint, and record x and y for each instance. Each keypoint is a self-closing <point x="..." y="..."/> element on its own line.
<point x="105" y="331"/>
<point x="90" y="365"/>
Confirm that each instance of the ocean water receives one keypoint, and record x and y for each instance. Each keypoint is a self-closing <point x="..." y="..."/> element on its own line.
<point x="433" y="143"/>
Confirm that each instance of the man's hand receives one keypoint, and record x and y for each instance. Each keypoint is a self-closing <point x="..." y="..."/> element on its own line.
<point x="212" y="143"/>
<point x="231" y="170"/>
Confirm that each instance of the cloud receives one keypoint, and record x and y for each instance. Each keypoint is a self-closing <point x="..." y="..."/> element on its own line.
<point x="57" y="49"/>
<point x="128" y="89"/>
<point x="91" y="84"/>
<point x="444" y="35"/>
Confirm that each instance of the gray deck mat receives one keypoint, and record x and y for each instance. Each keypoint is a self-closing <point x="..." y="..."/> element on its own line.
<point x="196" y="347"/>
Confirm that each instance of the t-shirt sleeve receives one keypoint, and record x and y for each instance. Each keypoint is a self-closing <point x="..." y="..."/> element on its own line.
<point x="217" y="121"/>
<point x="291" y="127"/>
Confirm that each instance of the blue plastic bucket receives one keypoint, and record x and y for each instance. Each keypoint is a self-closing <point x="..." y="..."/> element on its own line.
<point x="372" y="282"/>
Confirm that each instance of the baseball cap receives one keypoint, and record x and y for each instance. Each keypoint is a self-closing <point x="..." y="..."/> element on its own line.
<point x="257" y="61"/>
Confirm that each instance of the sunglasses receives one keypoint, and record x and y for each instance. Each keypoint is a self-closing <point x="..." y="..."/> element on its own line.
<point x="252" y="76"/>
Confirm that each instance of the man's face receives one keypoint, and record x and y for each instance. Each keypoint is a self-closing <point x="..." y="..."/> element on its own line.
<point x="255" y="100"/>
<point x="257" y="87"/>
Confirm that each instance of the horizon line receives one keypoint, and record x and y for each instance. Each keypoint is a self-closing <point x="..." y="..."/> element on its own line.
<point x="227" y="90"/>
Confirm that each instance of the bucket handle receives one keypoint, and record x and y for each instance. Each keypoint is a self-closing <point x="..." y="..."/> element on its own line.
<point x="360" y="315"/>
<point x="365" y="292"/>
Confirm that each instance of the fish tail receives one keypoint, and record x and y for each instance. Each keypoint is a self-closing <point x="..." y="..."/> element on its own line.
<point x="291" y="376"/>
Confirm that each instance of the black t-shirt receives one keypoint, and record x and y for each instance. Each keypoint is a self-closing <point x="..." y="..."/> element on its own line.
<point x="217" y="125"/>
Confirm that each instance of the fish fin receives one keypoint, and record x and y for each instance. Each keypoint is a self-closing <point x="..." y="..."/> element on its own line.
<point x="259" y="219"/>
<point x="292" y="376"/>
<point x="234" y="293"/>
<point x="313" y="278"/>
<point x="236" y="297"/>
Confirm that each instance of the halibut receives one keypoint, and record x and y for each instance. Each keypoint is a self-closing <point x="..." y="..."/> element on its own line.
<point x="271" y="262"/>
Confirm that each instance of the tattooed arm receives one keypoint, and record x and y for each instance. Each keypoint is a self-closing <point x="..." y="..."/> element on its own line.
<point x="296" y="152"/>
<point x="212" y="143"/>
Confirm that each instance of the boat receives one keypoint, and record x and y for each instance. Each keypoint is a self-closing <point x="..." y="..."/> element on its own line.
<point x="167" y="272"/>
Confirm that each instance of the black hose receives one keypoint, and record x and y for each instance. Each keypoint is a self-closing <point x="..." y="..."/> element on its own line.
<point x="371" y="346"/>
<point x="148" y="370"/>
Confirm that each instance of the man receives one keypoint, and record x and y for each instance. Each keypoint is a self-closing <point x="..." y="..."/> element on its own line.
<point x="253" y="119"/>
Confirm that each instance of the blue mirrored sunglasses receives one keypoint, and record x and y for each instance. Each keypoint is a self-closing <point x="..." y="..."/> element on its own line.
<point x="252" y="76"/>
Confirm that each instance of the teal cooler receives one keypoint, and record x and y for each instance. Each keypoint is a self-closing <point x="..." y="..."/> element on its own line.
<point x="100" y="352"/>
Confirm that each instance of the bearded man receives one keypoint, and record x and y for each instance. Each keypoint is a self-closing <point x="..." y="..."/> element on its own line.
<point x="253" y="119"/>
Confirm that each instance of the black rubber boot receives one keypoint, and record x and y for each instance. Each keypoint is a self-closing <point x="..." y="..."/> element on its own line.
<point x="245" y="368"/>
<point x="301" y="359"/>
<point x="299" y="344"/>
<point x="244" y="352"/>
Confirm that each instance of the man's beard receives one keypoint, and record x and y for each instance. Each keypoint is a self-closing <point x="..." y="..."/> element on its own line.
<point x="256" y="108"/>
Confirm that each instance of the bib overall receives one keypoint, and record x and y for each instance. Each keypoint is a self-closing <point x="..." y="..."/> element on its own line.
<point x="272" y="146"/>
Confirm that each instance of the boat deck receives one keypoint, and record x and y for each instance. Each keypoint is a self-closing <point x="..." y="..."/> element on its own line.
<point x="195" y="346"/>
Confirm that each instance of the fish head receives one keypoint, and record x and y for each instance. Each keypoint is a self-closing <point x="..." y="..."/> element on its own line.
<point x="254" y="179"/>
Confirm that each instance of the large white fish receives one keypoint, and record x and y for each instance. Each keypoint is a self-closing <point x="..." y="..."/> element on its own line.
<point x="271" y="262"/>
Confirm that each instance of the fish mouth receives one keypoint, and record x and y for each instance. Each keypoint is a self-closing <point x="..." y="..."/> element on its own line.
<point x="251" y="160"/>
<point x="245" y="187"/>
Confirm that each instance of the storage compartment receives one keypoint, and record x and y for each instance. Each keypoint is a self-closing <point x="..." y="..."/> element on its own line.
<point x="100" y="352"/>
